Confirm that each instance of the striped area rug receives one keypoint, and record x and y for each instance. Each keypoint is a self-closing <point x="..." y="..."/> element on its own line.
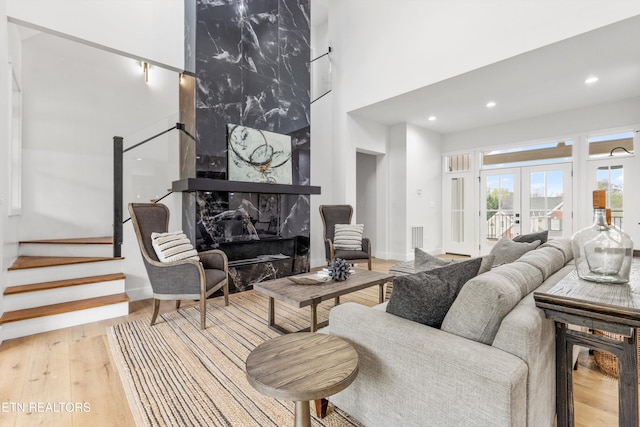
<point x="175" y="374"/>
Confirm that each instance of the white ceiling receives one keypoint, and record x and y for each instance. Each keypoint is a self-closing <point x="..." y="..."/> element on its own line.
<point x="539" y="82"/>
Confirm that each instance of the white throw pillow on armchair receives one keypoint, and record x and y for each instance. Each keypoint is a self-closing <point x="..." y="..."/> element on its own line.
<point x="173" y="246"/>
<point x="348" y="237"/>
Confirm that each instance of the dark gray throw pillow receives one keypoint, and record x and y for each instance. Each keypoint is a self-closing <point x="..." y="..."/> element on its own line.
<point x="532" y="237"/>
<point x="426" y="297"/>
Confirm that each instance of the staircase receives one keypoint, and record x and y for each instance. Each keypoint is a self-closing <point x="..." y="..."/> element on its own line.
<point x="55" y="284"/>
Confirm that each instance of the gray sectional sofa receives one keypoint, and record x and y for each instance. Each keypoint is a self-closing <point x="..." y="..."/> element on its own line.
<point x="492" y="363"/>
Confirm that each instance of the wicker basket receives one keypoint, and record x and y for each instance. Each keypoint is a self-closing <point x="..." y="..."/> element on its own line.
<point x="607" y="362"/>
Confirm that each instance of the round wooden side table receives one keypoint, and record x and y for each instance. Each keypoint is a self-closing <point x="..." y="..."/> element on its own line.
<point x="301" y="367"/>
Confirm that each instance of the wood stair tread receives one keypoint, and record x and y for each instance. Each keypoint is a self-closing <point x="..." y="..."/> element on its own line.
<point x="107" y="240"/>
<point x="65" y="307"/>
<point x="33" y="287"/>
<point x="24" y="262"/>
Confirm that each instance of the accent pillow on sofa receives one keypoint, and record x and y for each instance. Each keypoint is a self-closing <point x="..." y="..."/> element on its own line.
<point x="348" y="237"/>
<point x="532" y="237"/>
<point x="424" y="261"/>
<point x="487" y="263"/>
<point x="425" y="297"/>
<point x="409" y="267"/>
<point x="507" y="251"/>
<point x="173" y="246"/>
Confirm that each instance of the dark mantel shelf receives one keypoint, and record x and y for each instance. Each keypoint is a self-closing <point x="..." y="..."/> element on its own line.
<point x="208" y="184"/>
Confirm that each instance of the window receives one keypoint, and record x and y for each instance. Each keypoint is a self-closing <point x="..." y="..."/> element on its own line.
<point x="458" y="162"/>
<point x="618" y="144"/>
<point x="553" y="152"/>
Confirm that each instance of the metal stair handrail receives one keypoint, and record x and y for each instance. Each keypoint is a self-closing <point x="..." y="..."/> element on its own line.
<point x="118" y="153"/>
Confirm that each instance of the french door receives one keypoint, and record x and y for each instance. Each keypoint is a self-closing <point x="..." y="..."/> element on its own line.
<point x="524" y="200"/>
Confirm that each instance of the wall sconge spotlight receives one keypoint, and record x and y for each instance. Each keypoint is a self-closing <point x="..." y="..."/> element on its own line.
<point x="145" y="69"/>
<point x="619" y="148"/>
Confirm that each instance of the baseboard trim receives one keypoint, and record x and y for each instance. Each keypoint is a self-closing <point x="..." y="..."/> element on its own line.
<point x="140" y="293"/>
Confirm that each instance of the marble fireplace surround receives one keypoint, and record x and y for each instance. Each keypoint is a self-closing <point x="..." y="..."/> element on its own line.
<point x="248" y="63"/>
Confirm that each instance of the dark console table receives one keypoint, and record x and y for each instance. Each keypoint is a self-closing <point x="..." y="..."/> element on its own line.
<point x="610" y="308"/>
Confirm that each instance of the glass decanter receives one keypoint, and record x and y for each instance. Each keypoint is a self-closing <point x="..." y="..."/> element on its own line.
<point x="602" y="253"/>
<point x="625" y="240"/>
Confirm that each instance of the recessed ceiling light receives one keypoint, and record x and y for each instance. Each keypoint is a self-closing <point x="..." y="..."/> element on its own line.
<point x="432" y="118"/>
<point x="491" y="104"/>
<point x="591" y="80"/>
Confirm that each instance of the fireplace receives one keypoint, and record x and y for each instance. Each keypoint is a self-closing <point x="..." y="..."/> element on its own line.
<point x="247" y="64"/>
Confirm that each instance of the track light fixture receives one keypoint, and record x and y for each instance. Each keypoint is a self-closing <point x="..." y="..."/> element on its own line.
<point x="145" y="69"/>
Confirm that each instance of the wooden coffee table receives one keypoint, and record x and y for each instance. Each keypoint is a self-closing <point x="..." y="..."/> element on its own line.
<point x="298" y="296"/>
<point x="302" y="367"/>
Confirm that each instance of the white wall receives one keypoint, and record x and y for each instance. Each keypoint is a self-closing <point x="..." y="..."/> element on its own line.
<point x="383" y="49"/>
<point x="395" y="213"/>
<point x="145" y="29"/>
<point x="322" y="174"/>
<point x="5" y="119"/>
<point x="371" y="138"/>
<point x="424" y="187"/>
<point x="367" y="136"/>
<point x="321" y="65"/>
<point x="76" y="99"/>
<point x="322" y="157"/>
<point x="11" y="60"/>
<point x="148" y="172"/>
<point x="414" y="190"/>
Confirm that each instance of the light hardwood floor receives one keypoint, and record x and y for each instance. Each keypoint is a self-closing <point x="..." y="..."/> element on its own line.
<point x="74" y="365"/>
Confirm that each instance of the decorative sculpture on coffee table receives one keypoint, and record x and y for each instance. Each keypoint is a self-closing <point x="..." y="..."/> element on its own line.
<point x="339" y="269"/>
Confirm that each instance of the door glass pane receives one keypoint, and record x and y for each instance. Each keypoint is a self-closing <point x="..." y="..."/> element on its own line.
<point x="499" y="202"/>
<point x="611" y="179"/>
<point x="457" y="209"/>
<point x="546" y="202"/>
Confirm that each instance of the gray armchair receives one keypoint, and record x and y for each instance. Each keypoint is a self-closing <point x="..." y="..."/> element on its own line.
<point x="186" y="279"/>
<point x="341" y="214"/>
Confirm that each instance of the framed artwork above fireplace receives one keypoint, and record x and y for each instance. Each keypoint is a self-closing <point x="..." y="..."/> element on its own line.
<point x="258" y="155"/>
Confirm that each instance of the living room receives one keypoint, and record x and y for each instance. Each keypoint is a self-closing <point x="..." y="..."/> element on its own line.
<point x="344" y="125"/>
<point x="367" y="132"/>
